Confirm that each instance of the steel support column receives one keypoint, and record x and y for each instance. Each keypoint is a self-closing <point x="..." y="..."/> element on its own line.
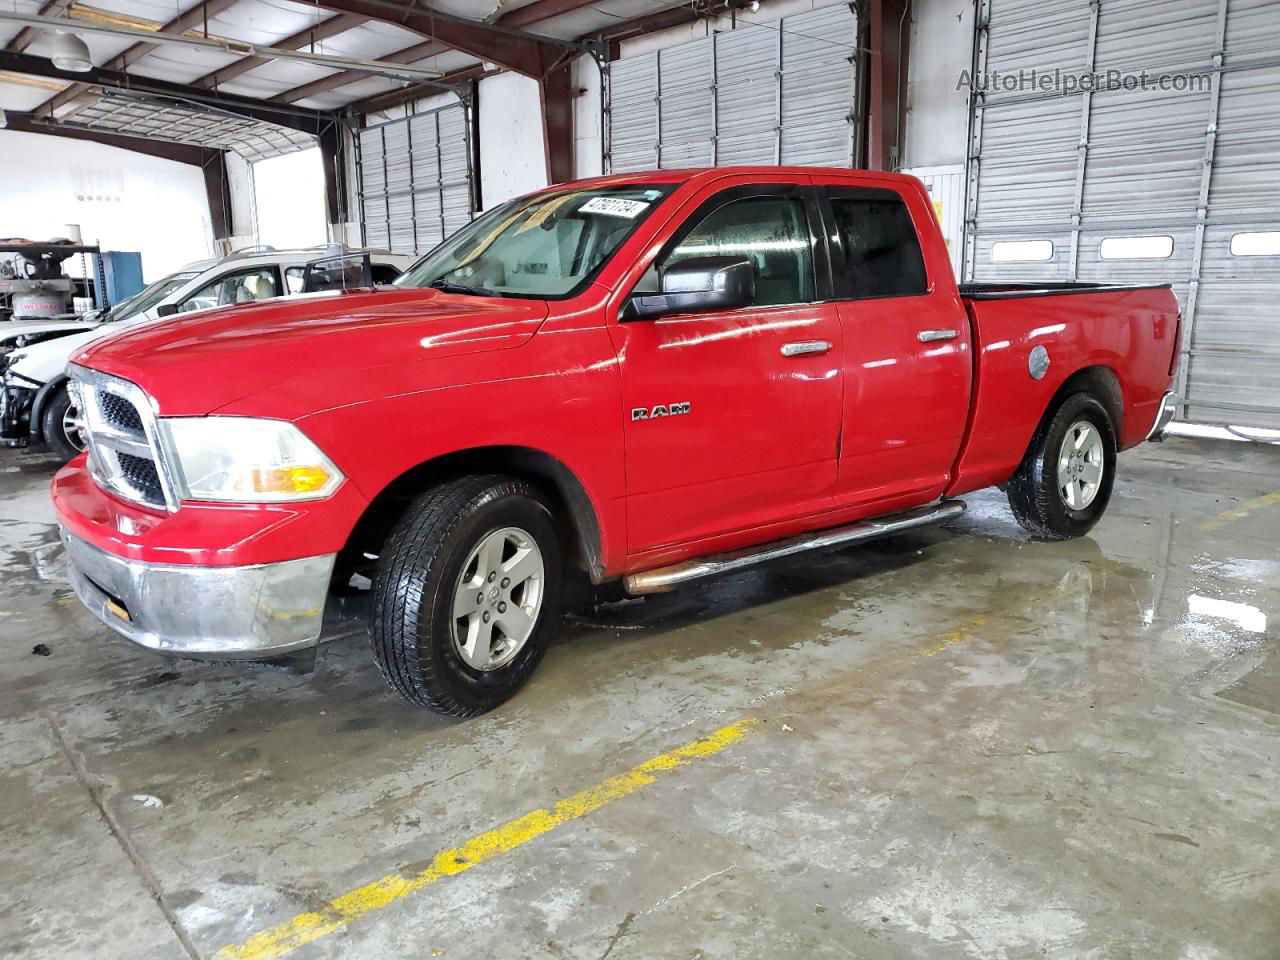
<point x="1202" y="207"/>
<point x="556" y="93"/>
<point x="1082" y="147"/>
<point x="887" y="64"/>
<point x="973" y="158"/>
<point x="217" y="187"/>
<point x="333" y="159"/>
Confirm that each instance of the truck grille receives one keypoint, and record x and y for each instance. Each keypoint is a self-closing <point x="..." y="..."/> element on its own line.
<point x="140" y="473"/>
<point x="125" y="453"/>
<point x="119" y="412"/>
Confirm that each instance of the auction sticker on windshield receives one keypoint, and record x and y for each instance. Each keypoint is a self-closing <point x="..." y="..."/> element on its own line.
<point x="614" y="207"/>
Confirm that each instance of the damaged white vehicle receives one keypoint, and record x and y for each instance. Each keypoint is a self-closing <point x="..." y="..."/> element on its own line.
<point x="34" y="403"/>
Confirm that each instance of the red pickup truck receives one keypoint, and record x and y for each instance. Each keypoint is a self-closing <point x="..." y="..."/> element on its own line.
<point x="653" y="377"/>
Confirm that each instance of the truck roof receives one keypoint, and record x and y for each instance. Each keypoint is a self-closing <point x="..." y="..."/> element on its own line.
<point x="715" y="173"/>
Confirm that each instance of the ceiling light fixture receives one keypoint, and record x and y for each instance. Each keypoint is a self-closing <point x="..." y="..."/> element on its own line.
<point x="70" y="53"/>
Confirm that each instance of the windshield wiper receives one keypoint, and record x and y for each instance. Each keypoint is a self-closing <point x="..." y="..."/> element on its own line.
<point x="448" y="286"/>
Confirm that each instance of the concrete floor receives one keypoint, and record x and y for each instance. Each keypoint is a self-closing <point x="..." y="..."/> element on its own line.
<point x="965" y="744"/>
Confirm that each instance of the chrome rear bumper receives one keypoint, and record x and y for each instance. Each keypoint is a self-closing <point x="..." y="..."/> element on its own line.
<point x="246" y="612"/>
<point x="1168" y="407"/>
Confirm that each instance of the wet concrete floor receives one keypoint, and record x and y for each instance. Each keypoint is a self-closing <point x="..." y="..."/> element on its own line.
<point x="955" y="743"/>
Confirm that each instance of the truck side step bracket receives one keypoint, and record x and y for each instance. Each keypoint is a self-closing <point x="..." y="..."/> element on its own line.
<point x="663" y="579"/>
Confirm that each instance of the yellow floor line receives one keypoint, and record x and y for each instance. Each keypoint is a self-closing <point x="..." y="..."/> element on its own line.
<point x="305" y="928"/>
<point x="1240" y="512"/>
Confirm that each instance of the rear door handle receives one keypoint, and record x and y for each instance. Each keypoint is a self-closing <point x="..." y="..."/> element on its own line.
<point x="928" y="336"/>
<point x="802" y="347"/>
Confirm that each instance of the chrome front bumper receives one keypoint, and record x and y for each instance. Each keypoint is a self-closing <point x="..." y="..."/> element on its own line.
<point x="248" y="612"/>
<point x="1168" y="407"/>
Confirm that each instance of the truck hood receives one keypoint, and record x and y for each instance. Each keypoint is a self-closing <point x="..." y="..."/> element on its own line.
<point x="195" y="364"/>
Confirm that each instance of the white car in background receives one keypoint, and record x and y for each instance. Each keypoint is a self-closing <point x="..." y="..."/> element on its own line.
<point x="34" y="403"/>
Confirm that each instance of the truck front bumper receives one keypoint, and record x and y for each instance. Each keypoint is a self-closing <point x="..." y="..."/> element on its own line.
<point x="221" y="612"/>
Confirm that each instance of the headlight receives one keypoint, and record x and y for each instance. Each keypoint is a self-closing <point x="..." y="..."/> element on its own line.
<point x="244" y="459"/>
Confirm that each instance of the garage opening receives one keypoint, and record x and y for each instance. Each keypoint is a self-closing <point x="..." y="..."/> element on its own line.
<point x="288" y="194"/>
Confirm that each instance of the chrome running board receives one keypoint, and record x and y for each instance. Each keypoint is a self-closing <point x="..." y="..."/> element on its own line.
<point x="663" y="579"/>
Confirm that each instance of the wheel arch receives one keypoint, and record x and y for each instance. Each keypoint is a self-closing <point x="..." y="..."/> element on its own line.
<point x="41" y="401"/>
<point x="566" y="493"/>
<point x="1101" y="382"/>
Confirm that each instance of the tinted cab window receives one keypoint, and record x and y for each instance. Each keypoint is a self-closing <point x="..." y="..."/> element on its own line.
<point x="879" y="252"/>
<point x="772" y="233"/>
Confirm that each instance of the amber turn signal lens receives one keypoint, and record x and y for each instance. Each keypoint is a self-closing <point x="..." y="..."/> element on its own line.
<point x="289" y="479"/>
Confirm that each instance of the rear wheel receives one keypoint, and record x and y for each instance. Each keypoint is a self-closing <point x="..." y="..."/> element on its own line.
<point x="60" y="424"/>
<point x="1064" y="483"/>
<point x="466" y="595"/>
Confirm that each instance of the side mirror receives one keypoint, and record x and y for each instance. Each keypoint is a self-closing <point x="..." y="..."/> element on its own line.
<point x="697" y="284"/>
<point x="166" y="309"/>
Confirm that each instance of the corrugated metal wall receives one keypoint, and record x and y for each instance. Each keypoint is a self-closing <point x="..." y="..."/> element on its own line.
<point x="763" y="93"/>
<point x="414" y="180"/>
<point x="1198" y="165"/>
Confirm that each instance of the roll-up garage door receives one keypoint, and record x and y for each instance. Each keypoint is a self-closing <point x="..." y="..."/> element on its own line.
<point x="1164" y="171"/>
<point x="415" y="180"/>
<point x="763" y="93"/>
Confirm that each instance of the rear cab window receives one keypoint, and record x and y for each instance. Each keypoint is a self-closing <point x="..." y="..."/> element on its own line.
<point x="876" y="251"/>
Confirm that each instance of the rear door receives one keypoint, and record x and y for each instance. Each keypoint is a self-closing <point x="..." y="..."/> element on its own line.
<point x="906" y="346"/>
<point x="732" y="417"/>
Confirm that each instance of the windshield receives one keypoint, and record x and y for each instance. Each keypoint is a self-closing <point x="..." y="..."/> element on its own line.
<point x="548" y="245"/>
<point x="146" y="298"/>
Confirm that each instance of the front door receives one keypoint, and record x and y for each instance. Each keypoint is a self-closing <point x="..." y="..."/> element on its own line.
<point x="732" y="417"/>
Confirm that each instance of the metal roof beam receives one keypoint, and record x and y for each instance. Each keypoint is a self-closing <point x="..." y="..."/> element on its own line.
<point x="28" y="35"/>
<point x="323" y="30"/>
<point x="541" y="10"/>
<point x="419" y="51"/>
<point x="507" y="47"/>
<point x="673" y="17"/>
<point x="26" y="122"/>
<point x="80" y="89"/>
<point x="534" y="12"/>
<point x="187" y="20"/>
<point x="297" y="118"/>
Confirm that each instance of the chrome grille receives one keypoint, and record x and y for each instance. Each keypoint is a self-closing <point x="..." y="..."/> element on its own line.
<point x="119" y="412"/>
<point x="126" y="452"/>
<point x="140" y="473"/>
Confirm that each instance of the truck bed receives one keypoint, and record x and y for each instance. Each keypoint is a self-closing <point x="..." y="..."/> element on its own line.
<point x="1123" y="335"/>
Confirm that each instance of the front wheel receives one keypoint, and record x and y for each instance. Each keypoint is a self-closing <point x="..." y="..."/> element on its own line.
<point x="466" y="594"/>
<point x="1064" y="483"/>
<point x="61" y="425"/>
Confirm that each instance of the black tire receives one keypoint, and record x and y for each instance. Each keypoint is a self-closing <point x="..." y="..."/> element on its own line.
<point x="52" y="425"/>
<point x="410" y="624"/>
<point x="1035" y="498"/>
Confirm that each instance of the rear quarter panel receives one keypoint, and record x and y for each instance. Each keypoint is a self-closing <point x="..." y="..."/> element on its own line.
<point x="1129" y="332"/>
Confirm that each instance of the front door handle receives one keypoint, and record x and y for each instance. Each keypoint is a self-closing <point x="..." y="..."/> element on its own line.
<point x="928" y="336"/>
<point x="802" y="347"/>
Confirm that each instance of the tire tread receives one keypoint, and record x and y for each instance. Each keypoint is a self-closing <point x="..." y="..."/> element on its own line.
<point x="407" y="569"/>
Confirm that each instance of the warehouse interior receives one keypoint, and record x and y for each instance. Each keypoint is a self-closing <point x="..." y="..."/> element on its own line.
<point x="958" y="740"/>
